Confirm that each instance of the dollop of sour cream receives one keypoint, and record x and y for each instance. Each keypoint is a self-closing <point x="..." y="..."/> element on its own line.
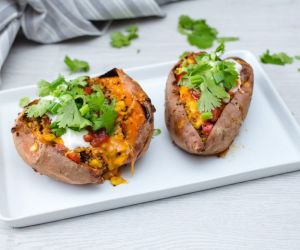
<point x="73" y="139"/>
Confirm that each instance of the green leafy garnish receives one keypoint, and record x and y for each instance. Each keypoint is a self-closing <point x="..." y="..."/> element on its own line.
<point x="206" y="116"/>
<point x="70" y="107"/>
<point x="39" y="109"/>
<point x="298" y="69"/>
<point x="210" y="76"/>
<point x="107" y="118"/>
<point x="24" y="101"/>
<point x="227" y="39"/>
<point x="280" y="58"/>
<point x="297" y="57"/>
<point x="76" y="65"/>
<point x="156" y="132"/>
<point x="199" y="33"/>
<point x="119" y="39"/>
<point x="70" y="117"/>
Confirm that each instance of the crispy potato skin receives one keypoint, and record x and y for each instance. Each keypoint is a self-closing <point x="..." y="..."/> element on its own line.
<point x="49" y="161"/>
<point x="225" y="129"/>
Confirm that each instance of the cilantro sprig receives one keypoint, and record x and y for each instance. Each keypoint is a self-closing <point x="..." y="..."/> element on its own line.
<point x="70" y="107"/>
<point x="280" y="58"/>
<point x="119" y="39"/>
<point x="211" y="76"/>
<point x="76" y="65"/>
<point x="199" y="33"/>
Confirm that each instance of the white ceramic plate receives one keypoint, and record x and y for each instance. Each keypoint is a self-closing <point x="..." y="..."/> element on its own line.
<point x="268" y="144"/>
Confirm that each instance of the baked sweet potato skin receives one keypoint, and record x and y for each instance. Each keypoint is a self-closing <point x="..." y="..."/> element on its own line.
<point x="52" y="162"/>
<point x="186" y="137"/>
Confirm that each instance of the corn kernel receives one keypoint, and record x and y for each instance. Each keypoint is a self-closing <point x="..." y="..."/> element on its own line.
<point x="120" y="106"/>
<point x="49" y="137"/>
<point x="95" y="163"/>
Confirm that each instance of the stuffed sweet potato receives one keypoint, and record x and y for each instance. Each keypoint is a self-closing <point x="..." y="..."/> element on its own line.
<point x="82" y="131"/>
<point x="207" y="100"/>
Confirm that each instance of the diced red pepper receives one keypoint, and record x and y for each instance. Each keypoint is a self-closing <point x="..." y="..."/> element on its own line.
<point x="88" y="137"/>
<point x="74" y="157"/>
<point x="88" y="90"/>
<point x="207" y="128"/>
<point x="216" y="114"/>
<point x="195" y="94"/>
<point x="99" y="138"/>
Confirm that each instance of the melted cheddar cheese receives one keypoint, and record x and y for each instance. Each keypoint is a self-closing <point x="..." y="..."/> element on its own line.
<point x="190" y="106"/>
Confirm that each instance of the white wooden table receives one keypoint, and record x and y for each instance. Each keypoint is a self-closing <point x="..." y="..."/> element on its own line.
<point x="261" y="214"/>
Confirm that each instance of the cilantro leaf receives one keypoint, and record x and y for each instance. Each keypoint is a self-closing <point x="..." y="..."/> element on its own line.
<point x="69" y="116"/>
<point x="156" y="132"/>
<point x="39" y="109"/>
<point x="24" y="101"/>
<point x="280" y="58"/>
<point x="225" y="39"/>
<point x="199" y="33"/>
<point x="45" y="88"/>
<point x="56" y="130"/>
<point x="76" y="65"/>
<point x="208" y="101"/>
<point x="80" y="81"/>
<point x="107" y="118"/>
<point x="119" y="40"/>
<point x="95" y="101"/>
<point x="297" y="57"/>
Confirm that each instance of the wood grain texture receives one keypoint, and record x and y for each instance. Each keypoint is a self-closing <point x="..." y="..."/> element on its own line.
<point x="262" y="214"/>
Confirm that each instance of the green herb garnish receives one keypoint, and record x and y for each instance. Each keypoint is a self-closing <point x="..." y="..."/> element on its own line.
<point x="156" y="132"/>
<point x="76" y="65"/>
<point x="227" y="39"/>
<point x="199" y="33"/>
<point x="280" y="58"/>
<point x="206" y="116"/>
<point x="119" y="39"/>
<point x="70" y="107"/>
<point x="297" y="57"/>
<point x="24" y="101"/>
<point x="212" y="77"/>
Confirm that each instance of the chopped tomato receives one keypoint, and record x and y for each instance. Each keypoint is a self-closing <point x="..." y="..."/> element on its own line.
<point x="195" y="94"/>
<point x="99" y="138"/>
<point x="88" y="137"/>
<point x="74" y="157"/>
<point x="207" y="128"/>
<point x="216" y="114"/>
<point x="88" y="90"/>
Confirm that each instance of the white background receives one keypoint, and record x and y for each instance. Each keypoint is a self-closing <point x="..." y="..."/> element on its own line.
<point x="262" y="214"/>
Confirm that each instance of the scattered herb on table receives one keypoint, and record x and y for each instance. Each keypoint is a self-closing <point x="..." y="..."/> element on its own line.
<point x="280" y="58"/>
<point x="199" y="33"/>
<point x="227" y="39"/>
<point x="156" y="132"/>
<point x="119" y="39"/>
<point x="76" y="65"/>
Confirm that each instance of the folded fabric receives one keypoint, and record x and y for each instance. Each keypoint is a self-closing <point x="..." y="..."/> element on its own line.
<point x="50" y="21"/>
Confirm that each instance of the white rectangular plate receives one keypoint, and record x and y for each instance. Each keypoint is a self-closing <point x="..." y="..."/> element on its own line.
<point x="268" y="144"/>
